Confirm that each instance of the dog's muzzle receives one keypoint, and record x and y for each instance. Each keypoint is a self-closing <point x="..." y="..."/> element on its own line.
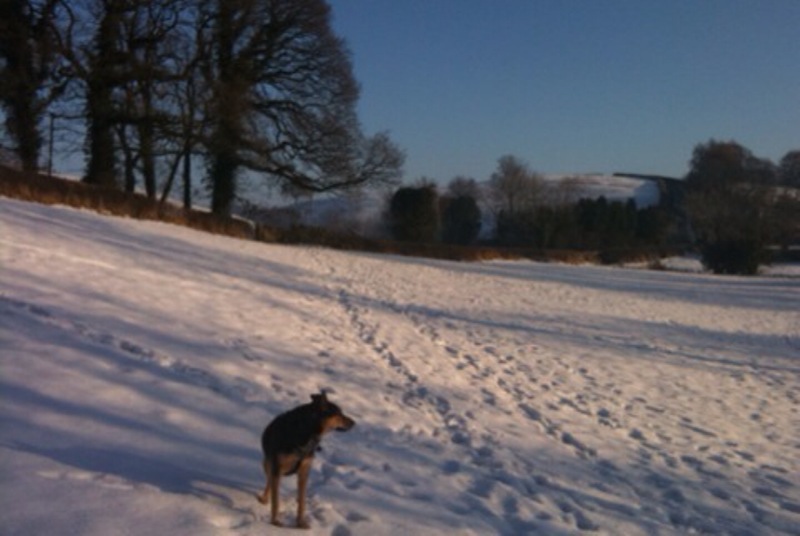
<point x="347" y="423"/>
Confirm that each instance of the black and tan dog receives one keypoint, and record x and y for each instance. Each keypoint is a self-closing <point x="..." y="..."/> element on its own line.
<point x="289" y="443"/>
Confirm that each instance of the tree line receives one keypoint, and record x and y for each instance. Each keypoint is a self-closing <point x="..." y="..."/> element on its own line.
<point x="257" y="87"/>
<point x="525" y="210"/>
<point x="733" y="204"/>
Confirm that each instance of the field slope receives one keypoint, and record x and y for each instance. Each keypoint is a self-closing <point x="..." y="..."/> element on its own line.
<point x="139" y="362"/>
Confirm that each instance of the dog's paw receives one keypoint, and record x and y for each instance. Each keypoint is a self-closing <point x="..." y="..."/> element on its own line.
<point x="303" y="524"/>
<point x="261" y="499"/>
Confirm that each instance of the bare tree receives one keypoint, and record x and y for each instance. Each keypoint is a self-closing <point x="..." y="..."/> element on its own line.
<point x="154" y="49"/>
<point x="187" y="95"/>
<point x="562" y="193"/>
<point x="91" y="45"/>
<point x="514" y="188"/>
<point x="283" y="101"/>
<point x="185" y="130"/>
<point x="29" y="75"/>
<point x="127" y="57"/>
<point x="255" y="85"/>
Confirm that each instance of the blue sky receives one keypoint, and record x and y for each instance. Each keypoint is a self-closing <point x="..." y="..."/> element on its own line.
<point x="574" y="86"/>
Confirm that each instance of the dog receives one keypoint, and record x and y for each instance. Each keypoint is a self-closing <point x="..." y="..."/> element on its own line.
<point x="289" y="443"/>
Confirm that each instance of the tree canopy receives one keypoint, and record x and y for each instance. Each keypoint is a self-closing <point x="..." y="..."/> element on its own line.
<point x="283" y="101"/>
<point x="789" y="169"/>
<point x="414" y="214"/>
<point x="729" y="199"/>
<point x="263" y="87"/>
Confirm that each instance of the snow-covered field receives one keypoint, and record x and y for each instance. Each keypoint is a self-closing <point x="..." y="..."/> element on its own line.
<point x="139" y="363"/>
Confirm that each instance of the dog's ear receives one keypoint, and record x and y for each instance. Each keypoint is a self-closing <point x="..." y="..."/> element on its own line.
<point x="320" y="400"/>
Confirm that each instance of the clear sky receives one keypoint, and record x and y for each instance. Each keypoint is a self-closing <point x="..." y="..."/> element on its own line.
<point x="574" y="86"/>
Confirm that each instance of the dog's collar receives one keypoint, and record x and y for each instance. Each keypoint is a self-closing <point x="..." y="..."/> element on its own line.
<point x="306" y="451"/>
<point x="309" y="448"/>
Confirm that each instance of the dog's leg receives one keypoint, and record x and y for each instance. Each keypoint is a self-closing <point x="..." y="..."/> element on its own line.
<point x="274" y="489"/>
<point x="302" y="482"/>
<point x="264" y="497"/>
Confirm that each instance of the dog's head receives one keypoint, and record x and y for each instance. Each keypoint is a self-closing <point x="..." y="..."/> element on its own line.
<point x="332" y="416"/>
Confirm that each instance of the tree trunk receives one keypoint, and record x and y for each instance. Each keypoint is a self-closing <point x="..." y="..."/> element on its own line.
<point x="187" y="180"/>
<point x="100" y="106"/>
<point x="100" y="169"/>
<point x="29" y="141"/>
<point x="227" y="128"/>
<point x="146" y="137"/>
<point x="21" y="82"/>
<point x="223" y="177"/>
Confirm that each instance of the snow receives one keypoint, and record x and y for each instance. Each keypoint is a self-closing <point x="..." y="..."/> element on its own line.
<point x="691" y="263"/>
<point x="139" y="363"/>
<point x="644" y="192"/>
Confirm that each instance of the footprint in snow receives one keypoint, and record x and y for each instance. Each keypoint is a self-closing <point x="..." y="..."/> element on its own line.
<point x="356" y="517"/>
<point x="30" y="308"/>
<point x="488" y="397"/>
<point x="451" y="467"/>
<point x="582" y="521"/>
<point x="790" y="506"/>
<point x="101" y="479"/>
<point x="510" y="505"/>
<point x="353" y="483"/>
<point x="341" y="530"/>
<point x="581" y="448"/>
<point x="636" y="434"/>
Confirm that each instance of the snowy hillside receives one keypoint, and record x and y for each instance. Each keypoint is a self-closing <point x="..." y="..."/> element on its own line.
<point x="140" y="361"/>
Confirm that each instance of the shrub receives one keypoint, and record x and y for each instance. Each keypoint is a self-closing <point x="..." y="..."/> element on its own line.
<point x="414" y="214"/>
<point x="461" y="220"/>
<point x="742" y="257"/>
<point x="729" y="200"/>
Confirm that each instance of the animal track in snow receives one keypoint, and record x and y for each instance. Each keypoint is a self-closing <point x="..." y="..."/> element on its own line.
<point x="131" y="356"/>
<point x="101" y="479"/>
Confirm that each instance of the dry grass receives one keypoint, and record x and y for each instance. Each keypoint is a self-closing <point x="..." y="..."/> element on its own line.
<point x="57" y="191"/>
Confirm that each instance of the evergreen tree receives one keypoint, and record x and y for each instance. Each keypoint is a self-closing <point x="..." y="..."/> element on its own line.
<point x="461" y="220"/>
<point x="414" y="215"/>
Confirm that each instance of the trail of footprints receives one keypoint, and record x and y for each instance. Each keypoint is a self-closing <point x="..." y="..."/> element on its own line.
<point x="516" y="380"/>
<point x="415" y="393"/>
<point x="480" y="450"/>
<point x="514" y="377"/>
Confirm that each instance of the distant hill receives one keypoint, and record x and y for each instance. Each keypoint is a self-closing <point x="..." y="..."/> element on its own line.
<point x="614" y="187"/>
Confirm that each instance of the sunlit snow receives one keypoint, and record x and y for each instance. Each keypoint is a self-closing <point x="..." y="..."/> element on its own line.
<point x="139" y="363"/>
